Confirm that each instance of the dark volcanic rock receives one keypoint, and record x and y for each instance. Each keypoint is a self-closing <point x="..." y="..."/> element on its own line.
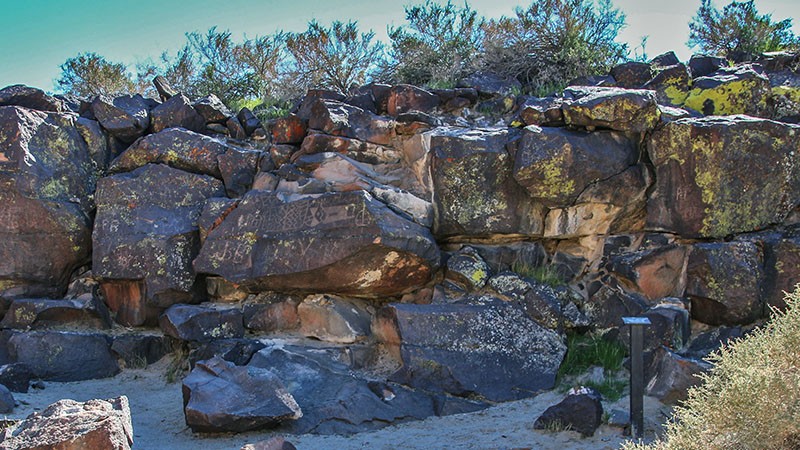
<point x="404" y="98"/>
<point x="333" y="319"/>
<point x="46" y="182"/>
<point x="289" y="130"/>
<point x="482" y="346"/>
<point x="614" y="108"/>
<point x="702" y="65"/>
<point x="238" y="351"/>
<point x="212" y="109"/>
<point x="201" y="323"/>
<point x="673" y="376"/>
<point x="176" y="112"/>
<point x="654" y="273"/>
<point x="16" y="377"/>
<point x="782" y="269"/>
<point x="346" y="243"/>
<point x="336" y="400"/>
<point x="30" y="97"/>
<point x="219" y="396"/>
<point x="238" y="169"/>
<point x="7" y="402"/>
<point x="71" y="425"/>
<point x="580" y="411"/>
<point x="724" y="282"/>
<point x="741" y="89"/>
<point x="467" y="269"/>
<point x="139" y="350"/>
<point x="722" y="175"/>
<point x="671" y="84"/>
<point x="126" y="117"/>
<point x="146" y="229"/>
<point x="63" y="356"/>
<point x="632" y="75"/>
<point x="44" y="313"/>
<point x="340" y="119"/>
<point x="556" y="165"/>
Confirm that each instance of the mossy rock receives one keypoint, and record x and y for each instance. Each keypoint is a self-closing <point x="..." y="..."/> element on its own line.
<point x="735" y="90"/>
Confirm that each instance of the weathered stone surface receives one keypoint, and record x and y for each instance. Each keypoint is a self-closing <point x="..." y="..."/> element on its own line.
<point x="467" y="269"/>
<point x="580" y="411"/>
<point x="782" y="269"/>
<point x="235" y="128"/>
<point x="556" y="165"/>
<point x="219" y="396"/>
<point x="482" y="346"/>
<point x="334" y="319"/>
<point x="46" y="182"/>
<point x="405" y="97"/>
<point x="785" y="95"/>
<point x="610" y="303"/>
<point x="201" y="323"/>
<point x="541" y="111"/>
<point x="176" y="112"/>
<point x="289" y="130"/>
<point x="176" y="147"/>
<point x="344" y="243"/>
<point x="340" y="119"/>
<point x="632" y="75"/>
<point x="614" y="108"/>
<point x="6" y="400"/>
<point x="146" y="229"/>
<point x="248" y="120"/>
<point x="540" y="302"/>
<point x="671" y="84"/>
<point x="654" y="273"/>
<point x="45" y="313"/>
<point x="405" y="203"/>
<point x="703" y="65"/>
<point x="223" y="291"/>
<point x="164" y="88"/>
<point x="736" y="90"/>
<point x="475" y="193"/>
<point x="238" y="168"/>
<point x="97" y="142"/>
<point x="703" y="344"/>
<point x="235" y="350"/>
<point x="674" y="375"/>
<point x="724" y="282"/>
<point x="31" y="98"/>
<point x="126" y="117"/>
<point x="272" y="312"/>
<point x="212" y="109"/>
<point x="64" y="356"/>
<point x="214" y="211"/>
<point x="16" y="377"/>
<point x="139" y="350"/>
<point x="71" y="425"/>
<point x="352" y="148"/>
<point x="665" y="59"/>
<point x="276" y="443"/>
<point x="703" y="188"/>
<point x="335" y="400"/>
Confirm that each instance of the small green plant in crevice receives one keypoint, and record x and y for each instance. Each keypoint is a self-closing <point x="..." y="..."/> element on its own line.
<point x="556" y="426"/>
<point x="586" y="351"/>
<point x="542" y="274"/>
<point x="179" y="365"/>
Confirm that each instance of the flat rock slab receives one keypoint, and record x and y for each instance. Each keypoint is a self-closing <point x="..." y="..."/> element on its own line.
<point x="71" y="425"/>
<point x="64" y="356"/>
<point x="483" y="346"/>
<point x="609" y="107"/>
<point x="201" y="323"/>
<point x="45" y="313"/>
<point x="344" y="243"/>
<point x="219" y="396"/>
<point x="722" y="175"/>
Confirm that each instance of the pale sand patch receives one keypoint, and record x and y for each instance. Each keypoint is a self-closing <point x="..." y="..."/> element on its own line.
<point x="158" y="423"/>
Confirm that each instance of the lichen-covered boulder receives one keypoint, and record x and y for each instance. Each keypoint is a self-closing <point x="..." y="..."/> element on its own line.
<point x="632" y="74"/>
<point x="581" y="411"/>
<point x="609" y="107"/>
<point x="671" y="84"/>
<point x="146" y="230"/>
<point x="717" y="176"/>
<point x="344" y="243"/>
<point x="724" y="282"/>
<point x="340" y="119"/>
<point x="467" y="269"/>
<point x="64" y="356"/>
<point x="202" y="323"/>
<point x="475" y="193"/>
<point x="782" y="269"/>
<point x="45" y="313"/>
<point x="736" y="90"/>
<point x="556" y="165"/>
<point x="482" y="346"/>
<point x="46" y="181"/>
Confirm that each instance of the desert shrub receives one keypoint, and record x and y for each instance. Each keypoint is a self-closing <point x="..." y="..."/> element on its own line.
<point x="439" y="45"/>
<point x="551" y="42"/>
<point x="738" y="31"/>
<point x="751" y="397"/>
<point x="585" y="351"/>
<point x="543" y="274"/>
<point x="89" y="74"/>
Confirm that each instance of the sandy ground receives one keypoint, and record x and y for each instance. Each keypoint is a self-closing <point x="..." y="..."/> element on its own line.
<point x="158" y="423"/>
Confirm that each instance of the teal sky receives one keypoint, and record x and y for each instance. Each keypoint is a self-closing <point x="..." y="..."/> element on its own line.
<point x="36" y="36"/>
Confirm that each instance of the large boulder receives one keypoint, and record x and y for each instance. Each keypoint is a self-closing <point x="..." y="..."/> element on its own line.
<point x="71" y="425"/>
<point x="671" y="84"/>
<point x="202" y="323"/>
<point x="478" y="346"/>
<point x="333" y="398"/>
<point x="333" y="319"/>
<point x="46" y="181"/>
<point x="580" y="411"/>
<point x="717" y="176"/>
<point x="126" y="117"/>
<point x="219" y="396"/>
<point x="556" y="165"/>
<point x="30" y="97"/>
<point x="735" y="90"/>
<point x="146" y="231"/>
<point x="655" y="273"/>
<point x="45" y="313"/>
<point x="610" y="107"/>
<point x="475" y="193"/>
<point x="340" y="119"/>
<point x="64" y="356"/>
<point x="176" y="112"/>
<point x="346" y="243"/>
<point x="404" y="98"/>
<point x="724" y="282"/>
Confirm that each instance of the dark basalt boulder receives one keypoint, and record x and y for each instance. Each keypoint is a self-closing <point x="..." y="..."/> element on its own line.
<point x="64" y="356"/>
<point x="176" y="112"/>
<point x="126" y="117"/>
<point x="610" y="107"/>
<point x="202" y="323"/>
<point x="580" y="411"/>
<point x="31" y="98"/>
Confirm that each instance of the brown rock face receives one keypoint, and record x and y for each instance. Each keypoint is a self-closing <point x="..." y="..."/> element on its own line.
<point x="71" y="425"/>
<point x="654" y="273"/>
<point x="46" y="179"/>
<point x="722" y="175"/>
<point x="289" y="130"/>
<point x="614" y="108"/>
<point x="340" y="119"/>
<point x="346" y="243"/>
<point x="404" y="98"/>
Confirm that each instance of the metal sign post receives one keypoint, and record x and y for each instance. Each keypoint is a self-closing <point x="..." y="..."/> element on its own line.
<point x="637" y="325"/>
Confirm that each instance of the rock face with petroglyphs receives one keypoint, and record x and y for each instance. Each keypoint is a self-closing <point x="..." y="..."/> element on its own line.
<point x="396" y="252"/>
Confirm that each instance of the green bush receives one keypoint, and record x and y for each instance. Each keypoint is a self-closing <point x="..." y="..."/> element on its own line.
<point x="585" y="351"/>
<point x="751" y="397"/>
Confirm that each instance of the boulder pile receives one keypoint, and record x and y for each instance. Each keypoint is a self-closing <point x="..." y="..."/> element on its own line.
<point x="394" y="252"/>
